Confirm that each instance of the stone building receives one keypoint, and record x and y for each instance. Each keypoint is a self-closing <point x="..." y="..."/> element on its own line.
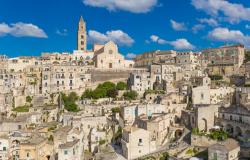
<point x="135" y="142"/>
<point x="148" y="58"/>
<point x="4" y="147"/>
<point x="226" y="150"/>
<point x="65" y="77"/>
<point x="69" y="150"/>
<point x="235" y="120"/>
<point x="35" y="148"/>
<point x="140" y="81"/>
<point x="82" y="35"/>
<point x="107" y="56"/>
<point x="225" y="60"/>
<point x="158" y="124"/>
<point x="204" y="117"/>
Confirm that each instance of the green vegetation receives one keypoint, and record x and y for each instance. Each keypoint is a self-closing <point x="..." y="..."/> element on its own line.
<point x="116" y="110"/>
<point x="102" y="142"/>
<point x="21" y="109"/>
<point x="130" y="95"/>
<point x="104" y="90"/>
<point x="191" y="151"/>
<point x="52" y="128"/>
<point x="153" y="92"/>
<point x="195" y="131"/>
<point x="121" y="86"/>
<point x="164" y="156"/>
<point x="28" y="99"/>
<point x="118" y="134"/>
<point x="112" y="93"/>
<point x="70" y="102"/>
<point x="215" y="77"/>
<point x="218" y="135"/>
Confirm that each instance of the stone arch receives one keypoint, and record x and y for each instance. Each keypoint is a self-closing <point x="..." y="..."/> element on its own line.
<point x="237" y="131"/>
<point x="229" y="128"/>
<point x="203" y="126"/>
<point x="56" y="62"/>
<point x="178" y="133"/>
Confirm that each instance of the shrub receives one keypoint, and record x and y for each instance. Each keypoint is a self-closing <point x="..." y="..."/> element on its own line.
<point x="112" y="93"/>
<point x="116" y="110"/>
<point x="101" y="142"/>
<point x="121" y="86"/>
<point x="130" y="95"/>
<point x="69" y="102"/>
<point x="28" y="99"/>
<point x="21" y="109"/>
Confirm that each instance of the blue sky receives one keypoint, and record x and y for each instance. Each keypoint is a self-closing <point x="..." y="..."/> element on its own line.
<point x="29" y="27"/>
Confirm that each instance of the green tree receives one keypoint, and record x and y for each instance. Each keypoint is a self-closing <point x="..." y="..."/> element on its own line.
<point x="106" y="86"/>
<point x="130" y="95"/>
<point x="112" y="93"/>
<point x="164" y="156"/>
<point x="121" y="86"/>
<point x="28" y="99"/>
<point x="116" y="110"/>
<point x="88" y="93"/>
<point x="73" y="96"/>
<point x="69" y="102"/>
<point x="99" y="93"/>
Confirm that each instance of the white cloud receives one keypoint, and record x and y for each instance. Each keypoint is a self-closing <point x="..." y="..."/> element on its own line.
<point x="134" y="6"/>
<point x="233" y="12"/>
<point x="178" y="26"/>
<point x="63" y="32"/>
<point x="179" y="44"/>
<point x="130" y="56"/>
<point x="197" y="28"/>
<point x="226" y="35"/>
<point x="22" y="30"/>
<point x="156" y="39"/>
<point x="210" y="21"/>
<point x="182" y="44"/>
<point x="117" y="36"/>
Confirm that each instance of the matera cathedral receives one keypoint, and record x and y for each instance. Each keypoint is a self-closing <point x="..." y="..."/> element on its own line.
<point x="82" y="35"/>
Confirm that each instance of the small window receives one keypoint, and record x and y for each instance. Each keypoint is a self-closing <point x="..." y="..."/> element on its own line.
<point x="110" y="52"/>
<point x="65" y="152"/>
<point x="140" y="140"/>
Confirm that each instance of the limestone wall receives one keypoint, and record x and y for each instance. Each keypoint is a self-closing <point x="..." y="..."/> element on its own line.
<point x="201" y="141"/>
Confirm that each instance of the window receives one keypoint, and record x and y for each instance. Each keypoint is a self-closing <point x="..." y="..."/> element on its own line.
<point x="202" y="96"/>
<point x="215" y="156"/>
<point x="65" y="152"/>
<point x="140" y="140"/>
<point x="231" y="117"/>
<point x="4" y="148"/>
<point x="28" y="154"/>
<point x="240" y="119"/>
<point x="110" y="52"/>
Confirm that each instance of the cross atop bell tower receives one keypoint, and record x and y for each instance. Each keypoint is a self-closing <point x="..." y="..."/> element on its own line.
<point x="81" y="35"/>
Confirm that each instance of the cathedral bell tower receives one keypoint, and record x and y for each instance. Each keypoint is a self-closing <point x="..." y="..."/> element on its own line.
<point x="81" y="35"/>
